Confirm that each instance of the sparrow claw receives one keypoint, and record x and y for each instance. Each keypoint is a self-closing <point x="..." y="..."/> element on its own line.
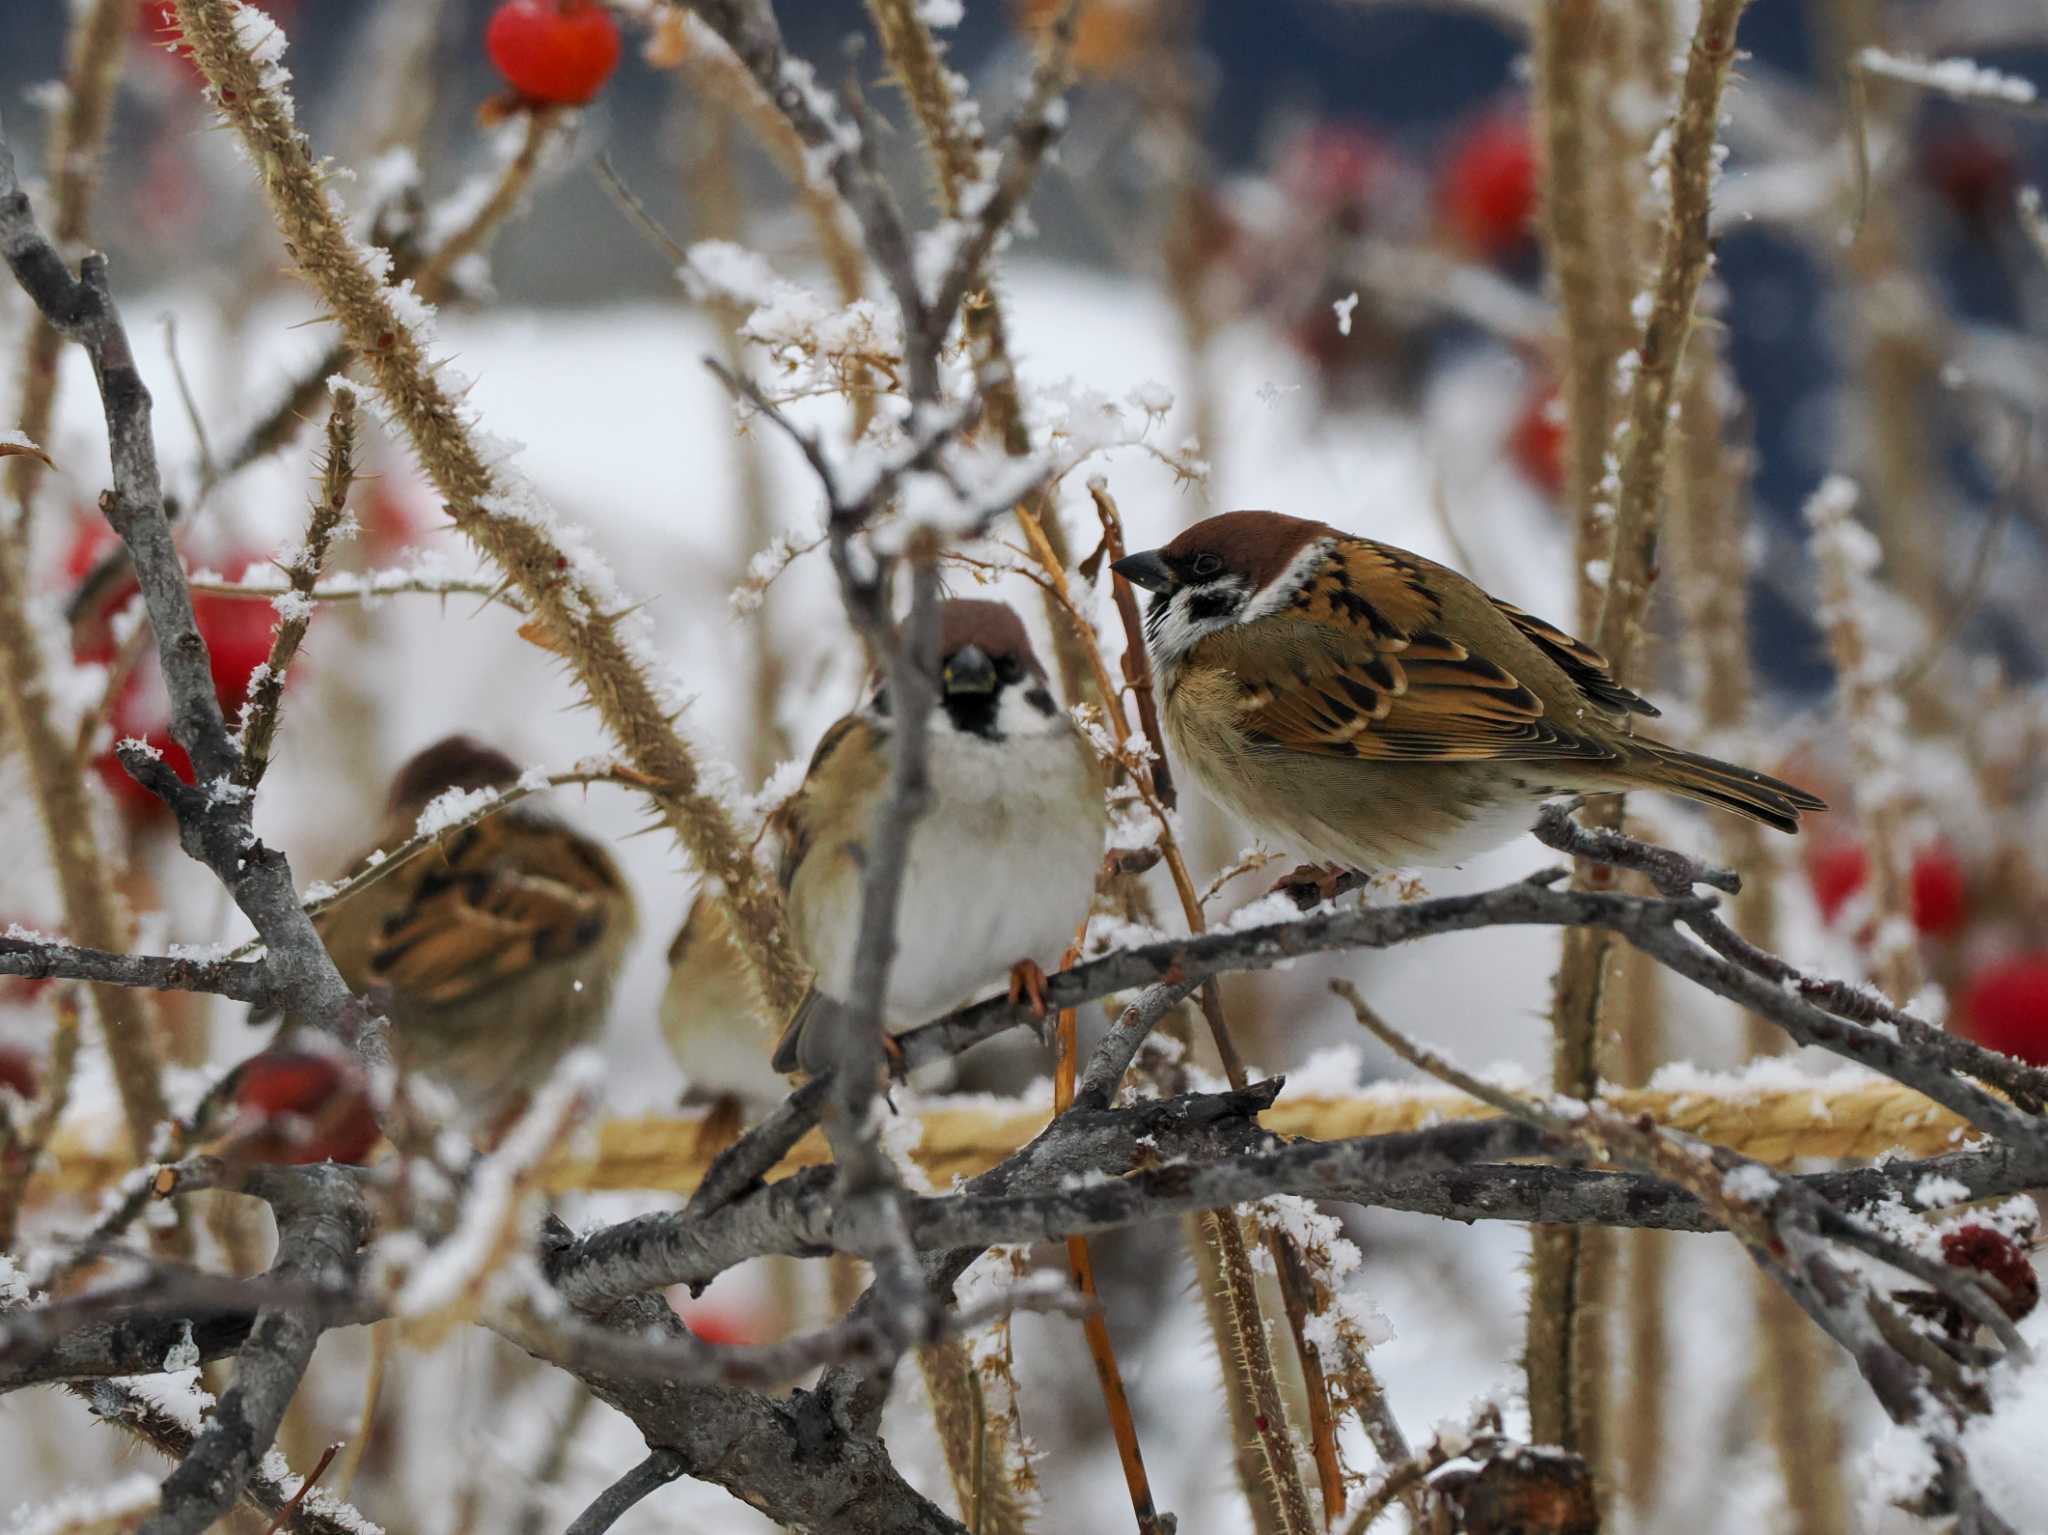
<point x="892" y="1056"/>
<point x="1027" y="984"/>
<point x="1312" y="884"/>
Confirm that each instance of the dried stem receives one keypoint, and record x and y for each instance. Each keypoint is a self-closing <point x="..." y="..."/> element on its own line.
<point x="18" y="1161"/>
<point x="266" y="691"/>
<point x="1847" y="557"/>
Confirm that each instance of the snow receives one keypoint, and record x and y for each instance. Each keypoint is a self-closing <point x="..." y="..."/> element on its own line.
<point x="88" y="1508"/>
<point x="1963" y="78"/>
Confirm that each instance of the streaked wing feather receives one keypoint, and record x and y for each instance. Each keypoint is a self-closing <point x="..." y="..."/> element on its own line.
<point x="508" y="895"/>
<point x="1360" y="672"/>
<point x="1589" y="669"/>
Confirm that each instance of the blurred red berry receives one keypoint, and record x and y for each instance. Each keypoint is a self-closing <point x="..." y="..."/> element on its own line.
<point x="558" y="51"/>
<point x="1994" y="1253"/>
<point x="1837" y="870"/>
<point x="302" y="1106"/>
<point x="2005" y="1007"/>
<point x="238" y="632"/>
<point x="1487" y="195"/>
<point x="1975" y="175"/>
<point x="18" y="1071"/>
<point x="1941" y="895"/>
<point x="1536" y="441"/>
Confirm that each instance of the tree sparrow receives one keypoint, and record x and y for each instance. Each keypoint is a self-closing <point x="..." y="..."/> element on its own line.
<point x="497" y="951"/>
<point x="1378" y="709"/>
<point x="1001" y="866"/>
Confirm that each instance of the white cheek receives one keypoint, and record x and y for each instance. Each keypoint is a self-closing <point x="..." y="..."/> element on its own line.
<point x="1016" y="719"/>
<point x="1180" y="631"/>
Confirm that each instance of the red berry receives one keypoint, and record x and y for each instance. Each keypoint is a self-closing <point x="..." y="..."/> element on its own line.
<point x="1837" y="870"/>
<point x="559" y="51"/>
<point x="1994" y="1253"/>
<point x="1940" y="893"/>
<point x="1487" y="196"/>
<point x="1536" y="441"/>
<point x="2005" y="1007"/>
<point x="302" y="1106"/>
<point x="18" y="1071"/>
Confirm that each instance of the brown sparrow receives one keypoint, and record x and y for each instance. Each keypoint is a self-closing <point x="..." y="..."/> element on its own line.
<point x="1377" y="709"/>
<point x="495" y="953"/>
<point x="1001" y="866"/>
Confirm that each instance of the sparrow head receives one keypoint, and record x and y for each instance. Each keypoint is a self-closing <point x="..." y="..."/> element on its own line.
<point x="455" y="762"/>
<point x="1228" y="569"/>
<point x="990" y="682"/>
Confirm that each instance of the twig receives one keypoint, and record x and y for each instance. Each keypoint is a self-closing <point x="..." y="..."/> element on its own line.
<point x="322" y="1220"/>
<point x="266" y="692"/>
<point x="305" y="1486"/>
<point x="652" y="1474"/>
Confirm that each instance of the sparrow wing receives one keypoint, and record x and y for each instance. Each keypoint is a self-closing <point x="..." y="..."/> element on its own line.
<point x="838" y="781"/>
<point x="1592" y="671"/>
<point x="1360" y="666"/>
<point x="505" y="897"/>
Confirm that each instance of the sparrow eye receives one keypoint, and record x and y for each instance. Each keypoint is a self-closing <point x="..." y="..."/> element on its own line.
<point x="1205" y="566"/>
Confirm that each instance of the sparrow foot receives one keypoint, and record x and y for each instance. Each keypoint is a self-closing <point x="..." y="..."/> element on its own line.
<point x="724" y="1118"/>
<point x="1027" y="984"/>
<point x="1311" y="884"/>
<point x="892" y="1054"/>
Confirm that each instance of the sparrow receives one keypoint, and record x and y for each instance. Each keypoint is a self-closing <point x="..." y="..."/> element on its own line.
<point x="706" y="1017"/>
<point x="1379" y="710"/>
<point x="494" y="953"/>
<point x="1002" y="864"/>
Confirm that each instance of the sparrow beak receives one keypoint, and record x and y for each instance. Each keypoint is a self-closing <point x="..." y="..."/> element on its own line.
<point x="1147" y="570"/>
<point x="969" y="670"/>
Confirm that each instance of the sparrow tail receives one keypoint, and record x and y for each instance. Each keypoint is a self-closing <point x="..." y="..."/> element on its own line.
<point x="1745" y="791"/>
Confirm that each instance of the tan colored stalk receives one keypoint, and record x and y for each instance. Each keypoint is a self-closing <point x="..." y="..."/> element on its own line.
<point x="1711" y="533"/>
<point x="976" y="1449"/>
<point x="1898" y="348"/>
<point x="92" y="913"/>
<point x="572" y="619"/>
<point x="1566" y="49"/>
<point x="1832" y="1121"/>
<point x="78" y="140"/>
<point x="1569" y="1267"/>
<point x="1238" y="1293"/>
<point x="1639" y="1423"/>
<point x="1846" y="557"/>
<point x="20" y="1159"/>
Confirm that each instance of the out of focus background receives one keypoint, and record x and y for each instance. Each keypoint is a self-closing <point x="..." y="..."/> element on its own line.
<point x="1292" y="246"/>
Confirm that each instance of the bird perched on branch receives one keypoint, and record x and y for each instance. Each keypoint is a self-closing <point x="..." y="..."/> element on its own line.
<point x="494" y="953"/>
<point x="1002" y="864"/>
<point x="1378" y="709"/>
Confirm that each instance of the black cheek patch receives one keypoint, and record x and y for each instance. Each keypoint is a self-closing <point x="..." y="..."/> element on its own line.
<point x="1040" y="700"/>
<point x="1208" y="605"/>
